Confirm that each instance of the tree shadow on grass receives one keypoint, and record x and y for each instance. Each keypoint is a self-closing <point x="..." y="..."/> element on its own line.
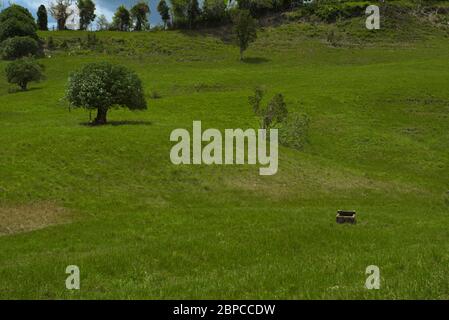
<point x="18" y="90"/>
<point x="115" y="123"/>
<point x="255" y="60"/>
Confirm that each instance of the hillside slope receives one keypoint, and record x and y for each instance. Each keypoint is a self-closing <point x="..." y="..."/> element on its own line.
<point x="109" y="200"/>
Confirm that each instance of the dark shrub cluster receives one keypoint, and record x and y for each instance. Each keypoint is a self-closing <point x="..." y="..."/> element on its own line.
<point x="18" y="47"/>
<point x="18" y="37"/>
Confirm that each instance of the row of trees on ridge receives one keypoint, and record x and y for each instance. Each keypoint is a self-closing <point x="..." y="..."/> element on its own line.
<point x="174" y="13"/>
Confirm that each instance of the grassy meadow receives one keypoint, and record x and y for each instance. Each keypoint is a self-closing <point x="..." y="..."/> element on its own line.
<point x="108" y="199"/>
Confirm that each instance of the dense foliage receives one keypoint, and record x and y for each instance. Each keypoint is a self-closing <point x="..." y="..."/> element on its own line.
<point x="42" y="18"/>
<point x="139" y="15"/>
<point x="24" y="71"/>
<point x="16" y="21"/>
<point x="87" y="13"/>
<point x="164" y="11"/>
<point x="121" y="20"/>
<point x="102" y="86"/>
<point x="18" y="47"/>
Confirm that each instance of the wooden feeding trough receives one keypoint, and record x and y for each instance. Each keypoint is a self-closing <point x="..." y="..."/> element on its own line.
<point x="346" y="217"/>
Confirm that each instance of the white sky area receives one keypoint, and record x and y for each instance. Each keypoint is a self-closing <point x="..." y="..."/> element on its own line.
<point x="106" y="7"/>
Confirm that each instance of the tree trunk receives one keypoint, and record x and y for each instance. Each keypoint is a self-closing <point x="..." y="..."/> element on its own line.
<point x="241" y="54"/>
<point x="101" y="116"/>
<point x="61" y="24"/>
<point x="23" y="86"/>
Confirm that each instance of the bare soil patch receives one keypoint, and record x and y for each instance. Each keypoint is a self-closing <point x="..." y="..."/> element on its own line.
<point x="34" y="216"/>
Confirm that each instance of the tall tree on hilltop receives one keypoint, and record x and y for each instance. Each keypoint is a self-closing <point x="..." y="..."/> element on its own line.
<point x="60" y="10"/>
<point x="87" y="13"/>
<point x="214" y="12"/>
<point x="122" y="19"/>
<point x="193" y="12"/>
<point x="185" y="12"/>
<point x="139" y="14"/>
<point x="102" y="23"/>
<point x="42" y="18"/>
<point x="164" y="11"/>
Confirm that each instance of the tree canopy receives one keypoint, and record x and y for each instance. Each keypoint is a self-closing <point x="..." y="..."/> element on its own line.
<point x="164" y="11"/>
<point x="86" y="12"/>
<point x="16" y="21"/>
<point x="139" y="14"/>
<point x="102" y="86"/>
<point x="42" y="18"/>
<point x="122" y="19"/>
<point x="23" y="71"/>
<point x="60" y="10"/>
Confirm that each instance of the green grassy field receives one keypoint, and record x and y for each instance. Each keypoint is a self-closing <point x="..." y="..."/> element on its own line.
<point x="109" y="200"/>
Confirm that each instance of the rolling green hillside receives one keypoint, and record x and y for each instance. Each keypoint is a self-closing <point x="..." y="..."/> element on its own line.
<point x="109" y="200"/>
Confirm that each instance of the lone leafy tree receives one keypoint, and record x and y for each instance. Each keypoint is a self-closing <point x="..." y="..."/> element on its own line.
<point x="42" y="18"/>
<point x="102" y="86"/>
<point x="245" y="29"/>
<point x="23" y="71"/>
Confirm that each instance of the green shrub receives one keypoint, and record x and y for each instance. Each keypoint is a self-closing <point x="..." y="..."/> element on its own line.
<point x="293" y="132"/>
<point x="18" y="47"/>
<point x="24" y="71"/>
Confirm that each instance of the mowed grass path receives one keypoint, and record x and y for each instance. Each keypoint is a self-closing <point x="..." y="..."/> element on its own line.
<point x="140" y="227"/>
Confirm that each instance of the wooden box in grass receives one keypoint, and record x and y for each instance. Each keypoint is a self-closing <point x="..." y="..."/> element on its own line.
<point x="346" y="217"/>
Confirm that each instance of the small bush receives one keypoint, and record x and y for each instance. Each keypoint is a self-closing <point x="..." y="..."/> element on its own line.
<point x="18" y="47"/>
<point x="293" y="132"/>
<point x="275" y="112"/>
<point x="292" y="127"/>
<point x="24" y="71"/>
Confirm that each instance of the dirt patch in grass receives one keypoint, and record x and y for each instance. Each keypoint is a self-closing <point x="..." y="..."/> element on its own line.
<point x="33" y="216"/>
